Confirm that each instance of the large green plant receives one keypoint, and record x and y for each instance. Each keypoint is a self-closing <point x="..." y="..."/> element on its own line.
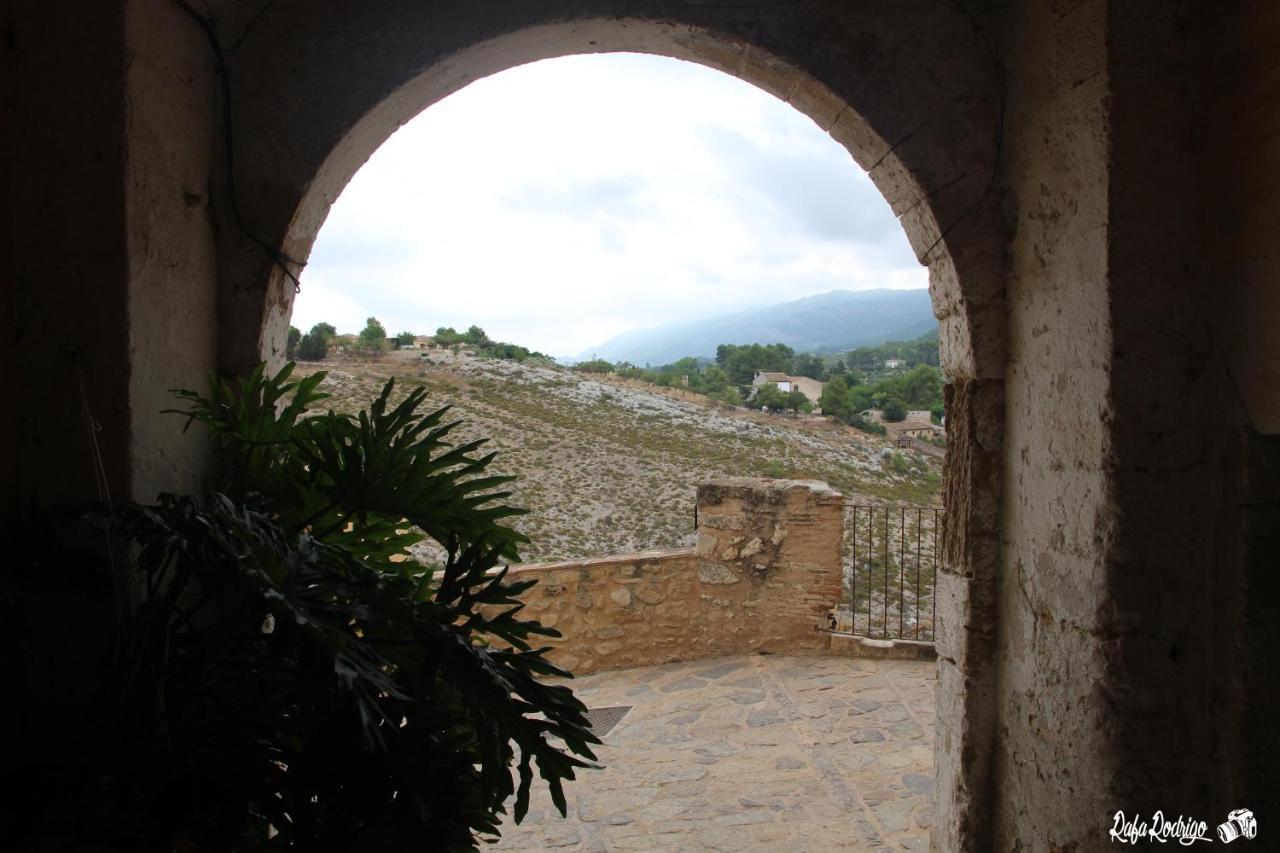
<point x="289" y="674"/>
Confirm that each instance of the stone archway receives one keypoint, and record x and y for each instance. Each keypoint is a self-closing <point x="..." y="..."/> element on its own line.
<point x="910" y="89"/>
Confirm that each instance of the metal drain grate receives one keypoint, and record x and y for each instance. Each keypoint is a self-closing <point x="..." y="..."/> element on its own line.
<point x="602" y="720"/>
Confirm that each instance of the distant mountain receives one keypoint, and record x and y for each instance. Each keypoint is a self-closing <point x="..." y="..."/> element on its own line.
<point x="839" y="320"/>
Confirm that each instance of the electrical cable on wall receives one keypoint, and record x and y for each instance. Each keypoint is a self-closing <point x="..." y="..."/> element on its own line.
<point x="207" y="26"/>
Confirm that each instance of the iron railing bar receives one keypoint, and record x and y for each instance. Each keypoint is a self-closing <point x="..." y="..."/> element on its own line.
<point x="915" y="634"/>
<point x="864" y="558"/>
<point x="853" y="583"/>
<point x="884" y="625"/>
<point x="937" y="534"/>
<point x="871" y="550"/>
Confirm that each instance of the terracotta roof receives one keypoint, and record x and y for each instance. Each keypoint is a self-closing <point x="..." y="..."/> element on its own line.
<point x="773" y="377"/>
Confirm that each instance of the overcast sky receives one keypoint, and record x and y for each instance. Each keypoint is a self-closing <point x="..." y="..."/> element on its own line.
<point x="560" y="203"/>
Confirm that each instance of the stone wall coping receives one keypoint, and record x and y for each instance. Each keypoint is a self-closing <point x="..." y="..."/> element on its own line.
<point x="870" y="647"/>
<point x="818" y="487"/>
<point x="607" y="560"/>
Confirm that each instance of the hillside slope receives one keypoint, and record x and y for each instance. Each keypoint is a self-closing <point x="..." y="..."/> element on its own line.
<point x="608" y="467"/>
<point x="841" y="319"/>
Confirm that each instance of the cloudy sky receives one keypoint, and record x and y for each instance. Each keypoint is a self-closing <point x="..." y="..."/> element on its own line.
<point x="560" y="203"/>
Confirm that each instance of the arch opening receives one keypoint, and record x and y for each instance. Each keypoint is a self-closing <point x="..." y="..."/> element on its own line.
<point x="917" y="111"/>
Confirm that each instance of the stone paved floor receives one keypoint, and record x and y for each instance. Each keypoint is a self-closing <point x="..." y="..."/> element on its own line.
<point x="752" y="753"/>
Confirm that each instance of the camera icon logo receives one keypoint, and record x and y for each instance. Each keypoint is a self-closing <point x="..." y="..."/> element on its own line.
<point x="1240" y="823"/>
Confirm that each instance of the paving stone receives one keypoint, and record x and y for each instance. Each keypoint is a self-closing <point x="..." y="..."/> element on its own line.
<point x="867" y="736"/>
<point x="918" y="783"/>
<point x="763" y="718"/>
<point x="720" y="670"/>
<point x="748" y="697"/>
<point x="908" y="729"/>
<point x="697" y="768"/>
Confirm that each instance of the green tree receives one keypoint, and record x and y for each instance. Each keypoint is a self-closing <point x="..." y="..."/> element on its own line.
<point x="325" y="330"/>
<point x="728" y="395"/>
<point x="807" y="364"/>
<point x="796" y="401"/>
<point x="373" y="337"/>
<point x="405" y="339"/>
<point x="861" y="399"/>
<point x="894" y="410"/>
<point x="715" y="380"/>
<point x="769" y="397"/>
<point x="742" y="363"/>
<point x="476" y="335"/>
<point x="446" y="336"/>
<point x="922" y="387"/>
<point x="291" y="346"/>
<point x="835" y="400"/>
<point x="313" y="347"/>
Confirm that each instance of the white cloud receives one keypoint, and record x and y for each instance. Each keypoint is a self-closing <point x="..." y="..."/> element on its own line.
<point x="563" y="202"/>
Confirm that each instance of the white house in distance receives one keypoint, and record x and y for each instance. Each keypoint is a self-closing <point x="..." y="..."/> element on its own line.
<point x="894" y="363"/>
<point x="782" y="380"/>
<point x="811" y="388"/>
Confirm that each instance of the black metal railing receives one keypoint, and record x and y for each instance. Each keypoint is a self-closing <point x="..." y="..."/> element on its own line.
<point x="890" y="572"/>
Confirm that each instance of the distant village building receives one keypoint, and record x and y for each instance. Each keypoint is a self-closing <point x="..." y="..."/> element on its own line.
<point x="782" y="380"/>
<point x="917" y="424"/>
<point x="811" y="388"/>
<point x="894" y="363"/>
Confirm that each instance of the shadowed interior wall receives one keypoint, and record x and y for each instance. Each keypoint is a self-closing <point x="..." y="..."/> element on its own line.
<point x="67" y="346"/>
<point x="1240" y="172"/>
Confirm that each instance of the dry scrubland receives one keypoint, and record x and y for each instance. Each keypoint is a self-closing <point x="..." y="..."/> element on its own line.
<point x="609" y="467"/>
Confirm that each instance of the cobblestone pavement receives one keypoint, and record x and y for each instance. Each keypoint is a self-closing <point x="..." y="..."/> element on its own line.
<point x="751" y="753"/>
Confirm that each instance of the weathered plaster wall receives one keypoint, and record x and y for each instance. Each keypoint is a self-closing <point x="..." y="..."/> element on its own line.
<point x="172" y="265"/>
<point x="763" y="577"/>
<point x="1050" y="752"/>
<point x="110" y="275"/>
<point x="1141" y="500"/>
<point x="1057" y="518"/>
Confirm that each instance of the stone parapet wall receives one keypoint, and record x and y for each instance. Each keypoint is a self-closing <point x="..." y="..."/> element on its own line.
<point x="763" y="577"/>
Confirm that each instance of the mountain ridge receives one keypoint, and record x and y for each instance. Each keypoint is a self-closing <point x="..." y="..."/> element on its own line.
<point x="831" y="321"/>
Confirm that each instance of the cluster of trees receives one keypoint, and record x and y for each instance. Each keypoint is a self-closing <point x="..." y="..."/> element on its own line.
<point x="447" y="336"/>
<point x="923" y="350"/>
<point x="480" y="342"/>
<point x="844" y="397"/>
<point x="845" y="394"/>
<point x="373" y="340"/>
<point x="698" y="375"/>
<point x="774" y="399"/>
<point x="743" y="362"/>
<point x="315" y="344"/>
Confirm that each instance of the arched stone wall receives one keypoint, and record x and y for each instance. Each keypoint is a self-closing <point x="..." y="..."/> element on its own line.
<point x="911" y="89"/>
<point x="1117" y="377"/>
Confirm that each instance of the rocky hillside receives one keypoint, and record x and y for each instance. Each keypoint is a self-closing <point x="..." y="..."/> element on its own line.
<point x="610" y="467"/>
